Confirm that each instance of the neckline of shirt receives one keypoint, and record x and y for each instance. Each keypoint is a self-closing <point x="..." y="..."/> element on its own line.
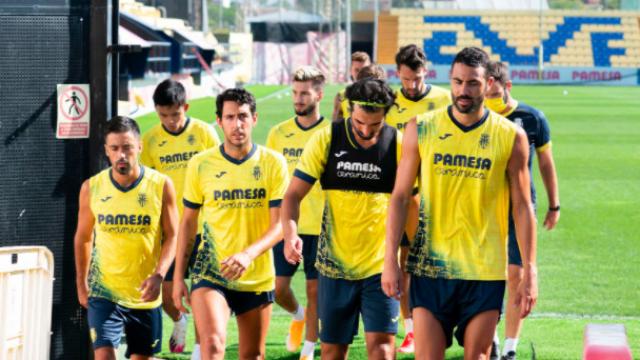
<point x="240" y="161"/>
<point x="125" y="189"/>
<point x="186" y="124"/>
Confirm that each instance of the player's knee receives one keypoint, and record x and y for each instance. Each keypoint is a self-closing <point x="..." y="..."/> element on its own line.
<point x="281" y="293"/>
<point x="384" y="351"/>
<point x="251" y="354"/>
<point x="213" y="343"/>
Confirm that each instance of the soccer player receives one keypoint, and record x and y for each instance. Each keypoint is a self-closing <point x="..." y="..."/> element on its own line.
<point x="471" y="162"/>
<point x="536" y="127"/>
<point x="355" y="161"/>
<point x="124" y="244"/>
<point x="236" y="188"/>
<point x="414" y="97"/>
<point x="359" y="59"/>
<point x="167" y="147"/>
<point x="289" y="138"/>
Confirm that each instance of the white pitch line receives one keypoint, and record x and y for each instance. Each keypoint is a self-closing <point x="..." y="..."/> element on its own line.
<point x="573" y="316"/>
<point x="273" y="94"/>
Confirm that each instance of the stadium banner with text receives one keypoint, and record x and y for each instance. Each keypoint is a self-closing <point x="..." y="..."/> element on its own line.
<point x="550" y="75"/>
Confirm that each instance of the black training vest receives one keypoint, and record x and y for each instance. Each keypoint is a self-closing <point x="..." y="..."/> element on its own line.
<point x="370" y="170"/>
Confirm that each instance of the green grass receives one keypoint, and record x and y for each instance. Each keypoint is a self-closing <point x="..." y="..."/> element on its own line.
<point x="588" y="266"/>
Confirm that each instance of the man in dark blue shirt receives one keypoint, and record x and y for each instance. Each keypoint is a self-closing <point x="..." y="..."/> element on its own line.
<point x="498" y="99"/>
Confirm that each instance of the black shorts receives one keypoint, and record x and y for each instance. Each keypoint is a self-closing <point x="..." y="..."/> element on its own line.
<point x="108" y="321"/>
<point x="405" y="240"/>
<point x="239" y="301"/>
<point x="192" y="260"/>
<point x="455" y="302"/>
<point x="309" y="251"/>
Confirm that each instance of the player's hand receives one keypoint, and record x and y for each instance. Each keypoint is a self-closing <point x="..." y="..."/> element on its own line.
<point x="293" y="250"/>
<point x="83" y="293"/>
<point x="551" y="219"/>
<point x="179" y="291"/>
<point x="234" y="266"/>
<point x="150" y="288"/>
<point x="392" y="278"/>
<point x="527" y="294"/>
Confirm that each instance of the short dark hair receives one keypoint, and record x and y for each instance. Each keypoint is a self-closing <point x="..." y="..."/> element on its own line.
<point x="499" y="71"/>
<point x="473" y="57"/>
<point x="372" y="71"/>
<point x="411" y="56"/>
<point x="360" y="56"/>
<point x="241" y="96"/>
<point x="121" y="124"/>
<point x="373" y="91"/>
<point x="169" y="93"/>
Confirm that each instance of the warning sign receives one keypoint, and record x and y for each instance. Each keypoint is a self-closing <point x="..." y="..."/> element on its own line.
<point x="74" y="111"/>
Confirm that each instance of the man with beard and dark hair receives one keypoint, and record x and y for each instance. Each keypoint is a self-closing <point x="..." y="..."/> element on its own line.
<point x="289" y="138"/>
<point x="534" y="123"/>
<point x="124" y="245"/>
<point x="355" y="162"/>
<point x="470" y="163"/>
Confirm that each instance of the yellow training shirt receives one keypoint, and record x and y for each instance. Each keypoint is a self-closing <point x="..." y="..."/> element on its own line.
<point x="464" y="197"/>
<point x="357" y="183"/>
<point x="344" y="104"/>
<point x="289" y="139"/>
<point x="127" y="236"/>
<point x="169" y="153"/>
<point x="234" y="197"/>
<point x="405" y="109"/>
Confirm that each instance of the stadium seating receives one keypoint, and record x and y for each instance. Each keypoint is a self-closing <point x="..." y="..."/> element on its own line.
<point x="568" y="38"/>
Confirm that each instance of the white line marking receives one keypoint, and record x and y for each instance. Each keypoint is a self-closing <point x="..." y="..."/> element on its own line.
<point x="273" y="94"/>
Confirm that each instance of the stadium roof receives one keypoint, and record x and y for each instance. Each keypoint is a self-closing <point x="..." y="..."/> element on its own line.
<point x="287" y="16"/>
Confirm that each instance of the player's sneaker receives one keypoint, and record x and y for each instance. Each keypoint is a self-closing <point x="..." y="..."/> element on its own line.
<point x="495" y="350"/>
<point x="177" y="339"/>
<point x="408" y="345"/>
<point x="294" y="337"/>
<point x="511" y="355"/>
<point x="306" y="357"/>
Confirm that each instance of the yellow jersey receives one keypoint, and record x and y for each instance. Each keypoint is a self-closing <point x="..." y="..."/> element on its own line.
<point x="234" y="197"/>
<point x="344" y="104"/>
<point x="405" y="109"/>
<point x="357" y="183"/>
<point x="169" y="152"/>
<point x="464" y="197"/>
<point x="127" y="236"/>
<point x="289" y="139"/>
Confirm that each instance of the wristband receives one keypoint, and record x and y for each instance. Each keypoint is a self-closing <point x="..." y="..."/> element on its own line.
<point x="557" y="208"/>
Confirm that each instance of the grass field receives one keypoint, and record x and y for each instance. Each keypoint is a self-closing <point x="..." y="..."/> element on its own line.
<point x="589" y="267"/>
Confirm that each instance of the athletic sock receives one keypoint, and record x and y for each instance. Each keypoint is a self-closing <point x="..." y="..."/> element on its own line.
<point x="509" y="345"/>
<point x="496" y="338"/>
<point x="408" y="326"/>
<point x="308" y="348"/>
<point x="298" y="315"/>
<point x="195" y="354"/>
<point x="182" y="319"/>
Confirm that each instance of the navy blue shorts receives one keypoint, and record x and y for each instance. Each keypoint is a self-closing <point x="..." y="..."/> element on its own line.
<point x="309" y="251"/>
<point x="108" y="321"/>
<point x="239" y="301"/>
<point x="455" y="302"/>
<point x="192" y="260"/>
<point x="340" y="302"/>
<point x="405" y="240"/>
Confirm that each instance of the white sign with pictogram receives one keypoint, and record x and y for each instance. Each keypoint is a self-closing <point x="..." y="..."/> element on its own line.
<point x="74" y="111"/>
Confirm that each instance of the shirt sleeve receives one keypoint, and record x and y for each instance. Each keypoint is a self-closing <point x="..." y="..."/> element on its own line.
<point x="279" y="180"/>
<point x="145" y="156"/>
<point x="192" y="197"/>
<point x="314" y="157"/>
<point x="543" y="135"/>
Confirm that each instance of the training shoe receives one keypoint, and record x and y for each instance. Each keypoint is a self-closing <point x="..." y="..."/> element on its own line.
<point x="495" y="350"/>
<point x="306" y="357"/>
<point x="408" y="345"/>
<point x="177" y="339"/>
<point x="511" y="355"/>
<point x="294" y="337"/>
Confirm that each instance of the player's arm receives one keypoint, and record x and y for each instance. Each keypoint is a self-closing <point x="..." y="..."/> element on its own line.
<point x="297" y="190"/>
<point x="398" y="212"/>
<point x="186" y="235"/>
<point x="150" y="288"/>
<point x="234" y="266"/>
<point x="524" y="219"/>
<point x="337" y="108"/>
<point x="83" y="243"/>
<point x="549" y="178"/>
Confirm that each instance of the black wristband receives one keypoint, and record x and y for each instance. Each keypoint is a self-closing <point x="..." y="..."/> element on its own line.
<point x="557" y="208"/>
